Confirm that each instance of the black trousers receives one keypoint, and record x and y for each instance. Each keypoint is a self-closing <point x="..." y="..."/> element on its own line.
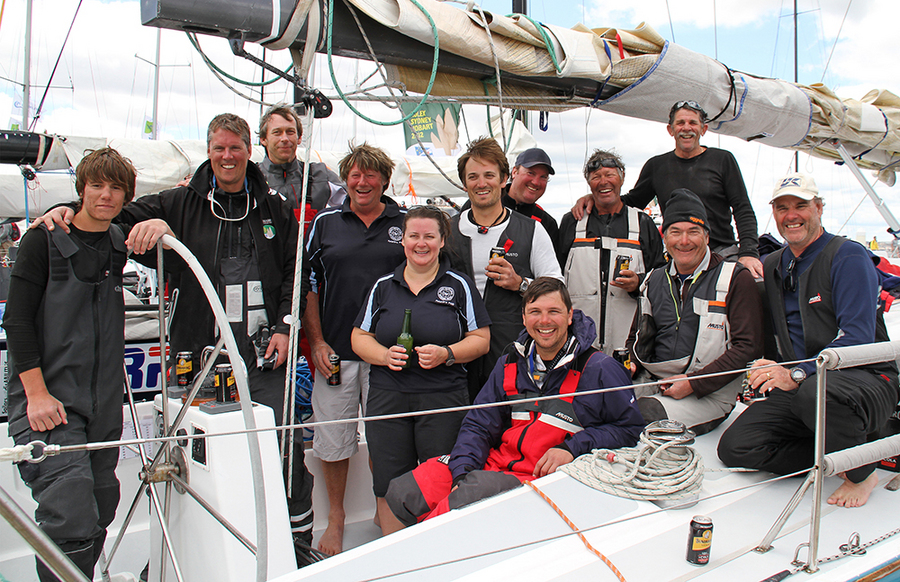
<point x="778" y="434"/>
<point x="268" y="388"/>
<point x="77" y="493"/>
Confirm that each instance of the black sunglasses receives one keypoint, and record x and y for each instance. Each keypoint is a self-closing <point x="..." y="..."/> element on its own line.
<point x="790" y="277"/>
<point x="594" y="165"/>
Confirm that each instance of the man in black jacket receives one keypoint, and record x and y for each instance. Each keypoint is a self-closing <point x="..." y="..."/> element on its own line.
<point x="280" y="133"/>
<point x="245" y="236"/>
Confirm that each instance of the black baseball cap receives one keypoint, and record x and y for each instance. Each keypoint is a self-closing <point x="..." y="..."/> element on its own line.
<point x="534" y="156"/>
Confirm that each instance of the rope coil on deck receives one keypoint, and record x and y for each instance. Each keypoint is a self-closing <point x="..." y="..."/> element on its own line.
<point x="656" y="470"/>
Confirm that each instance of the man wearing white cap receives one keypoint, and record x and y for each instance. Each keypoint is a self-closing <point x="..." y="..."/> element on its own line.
<point x="822" y="290"/>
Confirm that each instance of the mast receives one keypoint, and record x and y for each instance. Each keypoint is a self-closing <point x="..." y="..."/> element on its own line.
<point x="26" y="93"/>
<point x="796" y="80"/>
<point x="154" y="134"/>
<point x="520" y="7"/>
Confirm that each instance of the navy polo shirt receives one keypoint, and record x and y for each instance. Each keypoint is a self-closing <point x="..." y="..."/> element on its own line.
<point x="442" y="313"/>
<point x="345" y="258"/>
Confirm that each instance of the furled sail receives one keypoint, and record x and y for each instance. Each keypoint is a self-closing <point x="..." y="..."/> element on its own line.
<point x="545" y="67"/>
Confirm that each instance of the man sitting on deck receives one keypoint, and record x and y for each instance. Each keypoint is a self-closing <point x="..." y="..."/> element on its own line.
<point x="698" y="315"/>
<point x="499" y="448"/>
<point x="822" y="290"/>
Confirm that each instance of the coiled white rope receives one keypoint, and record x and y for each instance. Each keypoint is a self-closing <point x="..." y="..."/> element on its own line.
<point x="672" y="471"/>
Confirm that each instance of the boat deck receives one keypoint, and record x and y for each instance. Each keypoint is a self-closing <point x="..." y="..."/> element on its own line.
<point x="518" y="536"/>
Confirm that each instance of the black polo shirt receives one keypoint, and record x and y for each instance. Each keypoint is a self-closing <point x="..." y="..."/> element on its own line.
<point x="442" y="314"/>
<point x="345" y="259"/>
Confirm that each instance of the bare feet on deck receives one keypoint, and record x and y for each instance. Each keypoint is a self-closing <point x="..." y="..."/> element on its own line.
<point x="332" y="541"/>
<point x="851" y="494"/>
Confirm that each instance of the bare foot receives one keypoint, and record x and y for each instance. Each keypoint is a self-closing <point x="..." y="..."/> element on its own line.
<point x="851" y="494"/>
<point x="377" y="519"/>
<point x="332" y="541"/>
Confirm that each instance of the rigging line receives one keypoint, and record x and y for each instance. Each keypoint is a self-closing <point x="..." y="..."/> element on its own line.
<point x="379" y="67"/>
<point x="836" y="38"/>
<point x="575" y="529"/>
<point x="222" y="80"/>
<point x="434" y="66"/>
<point x="861" y="200"/>
<point x="100" y="445"/>
<point x="487" y="30"/>
<point x="37" y="113"/>
<point x="196" y="44"/>
<point x="671" y="28"/>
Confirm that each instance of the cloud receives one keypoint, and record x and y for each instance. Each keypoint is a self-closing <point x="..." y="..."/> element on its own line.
<point x="105" y="83"/>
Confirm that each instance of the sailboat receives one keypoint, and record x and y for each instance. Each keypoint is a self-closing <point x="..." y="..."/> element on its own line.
<point x="517" y="534"/>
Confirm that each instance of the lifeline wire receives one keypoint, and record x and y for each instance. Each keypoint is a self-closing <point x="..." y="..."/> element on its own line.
<point x="96" y="446"/>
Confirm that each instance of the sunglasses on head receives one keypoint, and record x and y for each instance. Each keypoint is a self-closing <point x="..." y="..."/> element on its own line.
<point x="693" y="105"/>
<point x="594" y="165"/>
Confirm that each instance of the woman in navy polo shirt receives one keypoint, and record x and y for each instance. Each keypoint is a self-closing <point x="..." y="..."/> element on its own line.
<point x="449" y="328"/>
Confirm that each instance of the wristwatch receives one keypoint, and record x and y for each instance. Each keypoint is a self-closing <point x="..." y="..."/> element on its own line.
<point x="523" y="286"/>
<point x="798" y="374"/>
<point x="451" y="359"/>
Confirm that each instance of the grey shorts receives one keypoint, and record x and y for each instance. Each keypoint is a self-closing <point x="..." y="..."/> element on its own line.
<point x="339" y="441"/>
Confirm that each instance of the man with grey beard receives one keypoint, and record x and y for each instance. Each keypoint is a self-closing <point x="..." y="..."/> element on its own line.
<point x="712" y="174"/>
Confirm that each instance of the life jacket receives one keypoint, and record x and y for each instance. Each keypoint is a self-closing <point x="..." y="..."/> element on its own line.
<point x="536" y="426"/>
<point x="81" y="330"/>
<point x="707" y="321"/>
<point x="584" y="279"/>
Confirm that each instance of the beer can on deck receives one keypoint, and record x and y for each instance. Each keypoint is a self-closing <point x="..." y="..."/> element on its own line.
<point x="699" y="540"/>
<point x="335" y="378"/>
<point x="184" y="369"/>
<point x="224" y="383"/>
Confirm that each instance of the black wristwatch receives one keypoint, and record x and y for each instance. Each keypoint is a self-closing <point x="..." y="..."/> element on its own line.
<point x="451" y="359"/>
<point x="798" y="374"/>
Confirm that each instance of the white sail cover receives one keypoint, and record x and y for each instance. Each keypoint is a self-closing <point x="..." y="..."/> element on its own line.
<point x="651" y="74"/>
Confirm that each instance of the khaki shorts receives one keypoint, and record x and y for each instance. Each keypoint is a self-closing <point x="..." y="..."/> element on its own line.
<point x="339" y="441"/>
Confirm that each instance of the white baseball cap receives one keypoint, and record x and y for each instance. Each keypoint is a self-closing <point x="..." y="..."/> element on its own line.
<point x="799" y="185"/>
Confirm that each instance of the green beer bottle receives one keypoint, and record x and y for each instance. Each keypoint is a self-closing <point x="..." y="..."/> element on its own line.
<point x="405" y="338"/>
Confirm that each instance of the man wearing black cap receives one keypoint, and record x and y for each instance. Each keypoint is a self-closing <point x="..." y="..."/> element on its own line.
<point x="699" y="315"/>
<point x="528" y="183"/>
<point x="606" y="253"/>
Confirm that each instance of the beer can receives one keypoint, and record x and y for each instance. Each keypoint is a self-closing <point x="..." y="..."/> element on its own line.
<point x="748" y="392"/>
<point x="623" y="356"/>
<point x="699" y="540"/>
<point x="224" y="383"/>
<point x="335" y="378"/>
<point x="498" y="252"/>
<point x="623" y="263"/>
<point x="184" y="369"/>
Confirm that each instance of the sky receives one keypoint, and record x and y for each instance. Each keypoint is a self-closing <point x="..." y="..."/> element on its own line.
<point x="104" y="83"/>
